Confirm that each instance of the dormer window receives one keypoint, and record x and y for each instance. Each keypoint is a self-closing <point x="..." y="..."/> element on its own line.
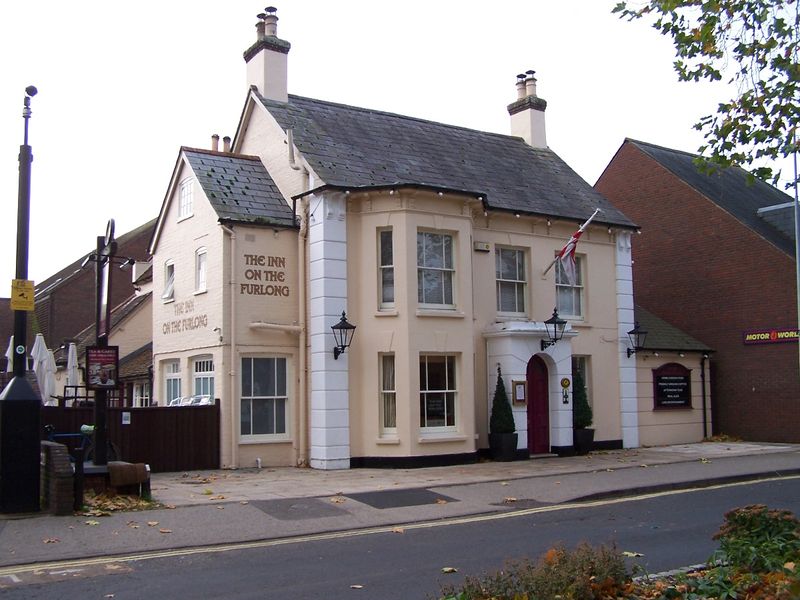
<point x="185" y="200"/>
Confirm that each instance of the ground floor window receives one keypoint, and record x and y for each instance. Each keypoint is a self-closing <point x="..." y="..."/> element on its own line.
<point x="141" y="394"/>
<point x="204" y="376"/>
<point x="264" y="397"/>
<point x="172" y="381"/>
<point x="437" y="391"/>
<point x="388" y="405"/>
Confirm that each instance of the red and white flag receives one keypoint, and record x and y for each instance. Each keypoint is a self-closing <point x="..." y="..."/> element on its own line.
<point x="567" y="253"/>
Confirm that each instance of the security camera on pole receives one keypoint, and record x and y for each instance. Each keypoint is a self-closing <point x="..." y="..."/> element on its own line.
<point x="20" y="408"/>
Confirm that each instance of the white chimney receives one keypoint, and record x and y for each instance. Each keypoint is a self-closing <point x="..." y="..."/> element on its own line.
<point x="267" y="59"/>
<point x="215" y="142"/>
<point x="527" y="112"/>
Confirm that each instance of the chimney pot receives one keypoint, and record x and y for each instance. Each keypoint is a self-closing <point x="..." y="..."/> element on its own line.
<point x="530" y="84"/>
<point x="271" y="21"/>
<point x="520" y="86"/>
<point x="226" y="143"/>
<point x="215" y="142"/>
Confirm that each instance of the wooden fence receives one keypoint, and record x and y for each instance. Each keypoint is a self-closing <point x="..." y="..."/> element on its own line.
<point x="180" y="438"/>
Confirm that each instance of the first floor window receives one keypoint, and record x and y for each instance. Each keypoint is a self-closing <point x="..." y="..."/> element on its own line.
<point x="510" y="274"/>
<point x="204" y="376"/>
<point x="569" y="291"/>
<point x="172" y="377"/>
<point x="437" y="391"/>
<point x="169" y="281"/>
<point x="386" y="269"/>
<point x="264" y="397"/>
<point x="435" y="268"/>
<point x="200" y="270"/>
<point x="388" y="395"/>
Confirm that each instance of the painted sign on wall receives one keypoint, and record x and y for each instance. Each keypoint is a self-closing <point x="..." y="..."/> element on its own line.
<point x="770" y="336"/>
<point x="265" y="275"/>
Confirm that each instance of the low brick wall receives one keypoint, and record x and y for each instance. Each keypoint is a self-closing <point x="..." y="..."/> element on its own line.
<point x="57" y="479"/>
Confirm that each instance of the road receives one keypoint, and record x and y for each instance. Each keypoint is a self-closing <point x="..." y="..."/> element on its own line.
<point x="671" y="530"/>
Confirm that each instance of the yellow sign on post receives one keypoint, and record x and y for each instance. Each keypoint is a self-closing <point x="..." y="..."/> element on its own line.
<point x="21" y="294"/>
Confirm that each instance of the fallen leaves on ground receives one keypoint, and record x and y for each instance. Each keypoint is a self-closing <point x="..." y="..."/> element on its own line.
<point x="133" y="524"/>
<point x="631" y="554"/>
<point x="503" y="483"/>
<point x="165" y="530"/>
<point x="356" y="586"/>
<point x="102" y="505"/>
<point x="152" y="523"/>
<point x="217" y="497"/>
<point x="705" y="461"/>
<point x="449" y="570"/>
<point x="92" y="522"/>
<point x="441" y="501"/>
<point x="51" y="540"/>
<point x="398" y="530"/>
<point x="509" y="500"/>
<point x="337" y="499"/>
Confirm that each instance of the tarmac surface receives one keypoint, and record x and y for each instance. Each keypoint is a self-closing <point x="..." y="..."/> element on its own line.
<point x="250" y="505"/>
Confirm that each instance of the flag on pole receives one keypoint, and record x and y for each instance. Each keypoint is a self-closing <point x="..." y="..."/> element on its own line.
<point x="567" y="253"/>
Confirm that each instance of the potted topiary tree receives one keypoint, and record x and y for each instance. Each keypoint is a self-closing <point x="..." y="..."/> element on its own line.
<point x="502" y="436"/>
<point x="582" y="434"/>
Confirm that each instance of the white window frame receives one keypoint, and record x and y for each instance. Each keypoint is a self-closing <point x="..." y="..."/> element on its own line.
<point x="519" y="283"/>
<point x="200" y="270"/>
<point x="141" y="393"/>
<point x="574" y="291"/>
<point x="186" y="199"/>
<point x="246" y="402"/>
<point x="386" y="269"/>
<point x="426" y="265"/>
<point x="451" y="389"/>
<point x="169" y="281"/>
<point x="172" y="378"/>
<point x="388" y="395"/>
<point x="203" y="375"/>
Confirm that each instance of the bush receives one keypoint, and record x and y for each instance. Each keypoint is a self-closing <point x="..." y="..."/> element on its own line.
<point x="755" y="538"/>
<point x="581" y="411"/>
<point x="585" y="573"/>
<point x="502" y="419"/>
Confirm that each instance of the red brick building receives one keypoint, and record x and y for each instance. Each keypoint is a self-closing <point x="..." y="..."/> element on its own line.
<point x="716" y="259"/>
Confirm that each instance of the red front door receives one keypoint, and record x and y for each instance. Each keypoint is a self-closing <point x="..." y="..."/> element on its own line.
<point x="538" y="407"/>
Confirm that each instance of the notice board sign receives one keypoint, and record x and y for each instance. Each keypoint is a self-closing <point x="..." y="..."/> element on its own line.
<point x="672" y="386"/>
<point x="102" y="367"/>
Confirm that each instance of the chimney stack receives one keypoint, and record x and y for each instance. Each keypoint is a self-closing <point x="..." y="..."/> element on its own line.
<point x="215" y="142"/>
<point x="226" y="144"/>
<point x="527" y="112"/>
<point x="267" y="59"/>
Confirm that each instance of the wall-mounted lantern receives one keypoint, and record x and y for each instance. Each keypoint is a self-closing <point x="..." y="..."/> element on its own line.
<point x="554" y="326"/>
<point x="343" y="334"/>
<point x="636" y="336"/>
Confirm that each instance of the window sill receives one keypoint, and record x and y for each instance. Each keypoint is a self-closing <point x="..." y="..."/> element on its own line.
<point x="184" y="217"/>
<point x="503" y="317"/>
<point x="444" y="312"/>
<point x="265" y="440"/>
<point x="198" y="292"/>
<point x="387" y="312"/>
<point x="388" y="441"/>
<point x="442" y="438"/>
<point x="167" y="300"/>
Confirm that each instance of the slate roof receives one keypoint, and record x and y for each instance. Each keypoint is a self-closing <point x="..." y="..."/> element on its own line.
<point x="663" y="336"/>
<point x="728" y="189"/>
<point x="351" y="147"/>
<point x="136" y="365"/>
<point x="239" y="188"/>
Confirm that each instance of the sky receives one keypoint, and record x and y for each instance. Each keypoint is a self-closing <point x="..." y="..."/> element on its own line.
<point x="122" y="86"/>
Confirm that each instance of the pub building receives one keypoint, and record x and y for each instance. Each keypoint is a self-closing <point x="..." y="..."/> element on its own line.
<point x="434" y="242"/>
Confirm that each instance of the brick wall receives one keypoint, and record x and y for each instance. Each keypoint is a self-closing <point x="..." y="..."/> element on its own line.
<point x="702" y="270"/>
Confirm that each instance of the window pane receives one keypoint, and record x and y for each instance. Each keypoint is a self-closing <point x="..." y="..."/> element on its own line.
<point x="386" y="248"/>
<point x="280" y="367"/>
<point x="435" y="409"/>
<point x="450" y="408"/>
<point x="507" y="293"/>
<point x="437" y="375"/>
<point x="263" y="377"/>
<point x="451" y="373"/>
<point x="431" y="289"/>
<point x="447" y="284"/>
<point x="448" y="251"/>
<point x="263" y="416"/>
<point x="388" y="372"/>
<point x="280" y="416"/>
<point x="246" y="419"/>
<point x="247" y="377"/>
<point x="387" y="285"/>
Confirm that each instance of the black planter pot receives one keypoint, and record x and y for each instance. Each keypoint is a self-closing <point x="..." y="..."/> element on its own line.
<point x="503" y="446"/>
<point x="582" y="440"/>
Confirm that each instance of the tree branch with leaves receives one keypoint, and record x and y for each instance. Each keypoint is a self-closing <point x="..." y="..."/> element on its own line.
<point x="752" y="43"/>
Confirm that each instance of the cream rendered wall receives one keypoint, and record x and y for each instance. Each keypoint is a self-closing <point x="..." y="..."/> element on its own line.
<point x="406" y="330"/>
<point x="660" y="427"/>
<point x="135" y="331"/>
<point x="596" y="333"/>
<point x="254" y="301"/>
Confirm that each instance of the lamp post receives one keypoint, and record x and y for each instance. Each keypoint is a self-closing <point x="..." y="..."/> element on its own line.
<point x="19" y="405"/>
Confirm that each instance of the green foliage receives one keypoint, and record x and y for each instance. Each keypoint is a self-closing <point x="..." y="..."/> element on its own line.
<point x="582" y="416"/>
<point x="758" y="539"/>
<point x="581" y="574"/>
<point x="502" y="419"/>
<point x="752" y="43"/>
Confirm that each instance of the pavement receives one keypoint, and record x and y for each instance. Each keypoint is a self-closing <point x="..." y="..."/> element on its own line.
<point x="235" y="507"/>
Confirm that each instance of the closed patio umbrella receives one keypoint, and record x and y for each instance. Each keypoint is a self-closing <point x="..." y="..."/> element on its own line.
<point x="40" y="357"/>
<point x="10" y="355"/>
